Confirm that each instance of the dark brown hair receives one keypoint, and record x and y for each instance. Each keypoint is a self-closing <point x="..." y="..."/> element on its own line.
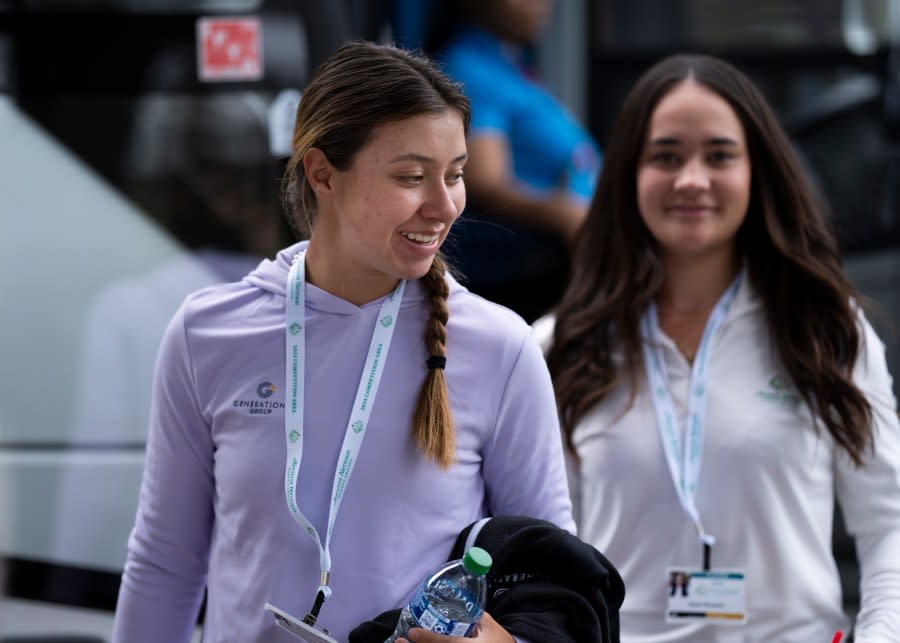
<point x="790" y="252"/>
<point x="362" y="86"/>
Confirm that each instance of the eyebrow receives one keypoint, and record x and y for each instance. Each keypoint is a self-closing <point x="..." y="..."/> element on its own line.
<point x="715" y="141"/>
<point x="421" y="158"/>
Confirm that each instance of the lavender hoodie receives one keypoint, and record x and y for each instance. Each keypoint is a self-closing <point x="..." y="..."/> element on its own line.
<point x="212" y="509"/>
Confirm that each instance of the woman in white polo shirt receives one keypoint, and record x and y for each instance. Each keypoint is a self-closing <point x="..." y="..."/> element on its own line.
<point x="718" y="384"/>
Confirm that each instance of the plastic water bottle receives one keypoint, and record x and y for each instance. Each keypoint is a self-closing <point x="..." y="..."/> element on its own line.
<point x="450" y="600"/>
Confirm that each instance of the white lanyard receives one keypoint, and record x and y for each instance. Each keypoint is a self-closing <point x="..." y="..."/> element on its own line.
<point x="295" y="345"/>
<point x="684" y="459"/>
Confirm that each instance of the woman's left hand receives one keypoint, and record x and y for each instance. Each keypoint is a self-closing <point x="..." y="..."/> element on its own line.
<point x="488" y="631"/>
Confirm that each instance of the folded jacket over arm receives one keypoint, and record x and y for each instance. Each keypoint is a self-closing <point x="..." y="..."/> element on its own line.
<point x="545" y="584"/>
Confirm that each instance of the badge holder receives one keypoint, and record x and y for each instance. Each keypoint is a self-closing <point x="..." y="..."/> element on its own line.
<point x="304" y="630"/>
<point x="706" y="595"/>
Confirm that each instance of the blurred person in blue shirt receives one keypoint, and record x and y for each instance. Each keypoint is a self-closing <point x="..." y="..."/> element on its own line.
<point x="532" y="167"/>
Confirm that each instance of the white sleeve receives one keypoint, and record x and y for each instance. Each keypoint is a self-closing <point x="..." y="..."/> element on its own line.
<point x="573" y="475"/>
<point x="870" y="500"/>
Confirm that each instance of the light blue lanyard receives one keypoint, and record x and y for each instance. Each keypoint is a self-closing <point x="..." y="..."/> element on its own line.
<point x="295" y="346"/>
<point x="684" y="458"/>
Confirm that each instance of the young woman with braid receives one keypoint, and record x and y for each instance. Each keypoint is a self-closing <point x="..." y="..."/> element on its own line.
<point x="307" y="447"/>
<point x="718" y="382"/>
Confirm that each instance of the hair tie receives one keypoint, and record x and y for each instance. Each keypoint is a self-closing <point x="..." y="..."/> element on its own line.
<point x="436" y="361"/>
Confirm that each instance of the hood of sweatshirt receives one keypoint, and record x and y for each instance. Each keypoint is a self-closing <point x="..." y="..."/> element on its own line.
<point x="271" y="276"/>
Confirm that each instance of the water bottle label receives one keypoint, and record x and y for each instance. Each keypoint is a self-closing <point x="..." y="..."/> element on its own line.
<point x="429" y="618"/>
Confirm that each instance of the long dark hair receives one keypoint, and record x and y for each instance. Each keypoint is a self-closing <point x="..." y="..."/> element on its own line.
<point x="790" y="251"/>
<point x="362" y="86"/>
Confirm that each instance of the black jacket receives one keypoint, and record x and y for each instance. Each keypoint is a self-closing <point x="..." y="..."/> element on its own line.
<point x="545" y="585"/>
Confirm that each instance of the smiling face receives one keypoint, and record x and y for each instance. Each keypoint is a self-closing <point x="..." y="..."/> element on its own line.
<point x="384" y="218"/>
<point x="693" y="178"/>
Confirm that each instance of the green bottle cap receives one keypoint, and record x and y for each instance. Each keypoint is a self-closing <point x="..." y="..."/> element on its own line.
<point x="477" y="561"/>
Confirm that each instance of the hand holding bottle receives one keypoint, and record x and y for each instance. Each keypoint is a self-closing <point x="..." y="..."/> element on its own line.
<point x="450" y="600"/>
<point x="488" y="631"/>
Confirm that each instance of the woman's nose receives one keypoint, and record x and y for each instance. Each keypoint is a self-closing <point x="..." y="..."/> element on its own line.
<point x="440" y="203"/>
<point x="693" y="175"/>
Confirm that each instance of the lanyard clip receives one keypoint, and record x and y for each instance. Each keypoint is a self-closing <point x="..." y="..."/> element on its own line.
<point x="323" y="593"/>
<point x="708" y="542"/>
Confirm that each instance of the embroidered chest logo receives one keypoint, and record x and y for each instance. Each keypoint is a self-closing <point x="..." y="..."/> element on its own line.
<point x="780" y="391"/>
<point x="261" y="405"/>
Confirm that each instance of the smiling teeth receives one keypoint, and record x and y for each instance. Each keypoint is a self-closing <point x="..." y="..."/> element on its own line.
<point x="420" y="238"/>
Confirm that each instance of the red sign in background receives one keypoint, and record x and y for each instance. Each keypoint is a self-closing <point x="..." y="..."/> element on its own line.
<point x="229" y="49"/>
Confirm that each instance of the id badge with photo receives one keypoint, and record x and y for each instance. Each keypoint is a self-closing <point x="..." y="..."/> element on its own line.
<point x="298" y="628"/>
<point x="714" y="595"/>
